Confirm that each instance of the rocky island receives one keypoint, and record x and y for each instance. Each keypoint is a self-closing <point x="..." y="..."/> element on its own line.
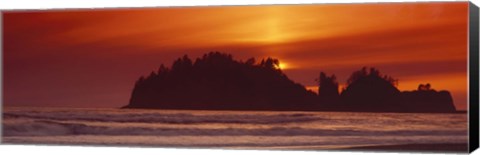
<point x="216" y="81"/>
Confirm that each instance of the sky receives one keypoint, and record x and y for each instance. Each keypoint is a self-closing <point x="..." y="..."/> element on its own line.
<point x="92" y="57"/>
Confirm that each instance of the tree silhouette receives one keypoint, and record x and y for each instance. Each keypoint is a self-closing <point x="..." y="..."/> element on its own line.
<point x="363" y="73"/>
<point x="368" y="89"/>
<point x="270" y="63"/>
<point x="424" y="87"/>
<point x="250" y="62"/>
<point x="327" y="88"/>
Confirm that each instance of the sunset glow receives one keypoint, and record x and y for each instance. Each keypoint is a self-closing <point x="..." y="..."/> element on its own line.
<point x="283" y="66"/>
<point x="88" y="58"/>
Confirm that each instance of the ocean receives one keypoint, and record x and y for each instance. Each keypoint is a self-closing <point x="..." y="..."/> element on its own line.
<point x="228" y="129"/>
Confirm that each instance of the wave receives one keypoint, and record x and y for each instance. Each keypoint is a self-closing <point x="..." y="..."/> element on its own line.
<point x="52" y="128"/>
<point x="177" y="118"/>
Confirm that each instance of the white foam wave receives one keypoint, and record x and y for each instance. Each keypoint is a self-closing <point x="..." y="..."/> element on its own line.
<point x="52" y="128"/>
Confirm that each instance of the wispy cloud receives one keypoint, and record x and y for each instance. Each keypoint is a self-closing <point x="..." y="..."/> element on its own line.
<point x="77" y="53"/>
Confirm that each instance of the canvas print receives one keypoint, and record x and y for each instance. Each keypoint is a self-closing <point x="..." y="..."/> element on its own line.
<point x="373" y="76"/>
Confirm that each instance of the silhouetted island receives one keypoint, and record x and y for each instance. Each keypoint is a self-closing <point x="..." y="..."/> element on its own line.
<point x="367" y="90"/>
<point x="218" y="82"/>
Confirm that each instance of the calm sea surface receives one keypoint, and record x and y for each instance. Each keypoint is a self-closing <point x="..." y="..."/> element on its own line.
<point x="228" y="129"/>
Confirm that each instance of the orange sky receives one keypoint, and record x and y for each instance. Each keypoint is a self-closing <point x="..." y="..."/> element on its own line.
<point x="91" y="58"/>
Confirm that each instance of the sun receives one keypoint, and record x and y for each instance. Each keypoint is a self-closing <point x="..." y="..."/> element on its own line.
<point x="282" y="66"/>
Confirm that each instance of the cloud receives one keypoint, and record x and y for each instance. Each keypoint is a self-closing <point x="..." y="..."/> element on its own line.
<point x="78" y="51"/>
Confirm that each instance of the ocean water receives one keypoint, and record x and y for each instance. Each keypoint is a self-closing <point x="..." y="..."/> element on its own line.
<point x="228" y="129"/>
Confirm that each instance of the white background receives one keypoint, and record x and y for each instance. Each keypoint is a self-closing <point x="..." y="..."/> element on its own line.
<point x="48" y="4"/>
<point x="82" y="150"/>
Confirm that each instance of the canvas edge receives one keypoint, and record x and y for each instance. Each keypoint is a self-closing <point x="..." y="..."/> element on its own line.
<point x="1" y="76"/>
<point x="473" y="66"/>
